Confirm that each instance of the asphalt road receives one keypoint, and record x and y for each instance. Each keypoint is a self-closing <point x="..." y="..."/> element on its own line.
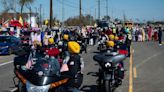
<point x="144" y="70"/>
<point x="6" y="73"/>
<point x="149" y="62"/>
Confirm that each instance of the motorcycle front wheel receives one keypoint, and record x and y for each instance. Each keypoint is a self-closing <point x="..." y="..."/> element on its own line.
<point x="107" y="85"/>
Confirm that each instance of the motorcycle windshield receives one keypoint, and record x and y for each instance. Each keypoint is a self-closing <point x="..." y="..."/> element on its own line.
<point x="43" y="72"/>
<point x="46" y="67"/>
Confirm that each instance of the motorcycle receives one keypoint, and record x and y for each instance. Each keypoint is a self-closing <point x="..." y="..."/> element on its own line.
<point x="43" y="75"/>
<point x="121" y="48"/>
<point x="111" y="71"/>
<point x="102" y="44"/>
<point x="83" y="45"/>
<point x="101" y="47"/>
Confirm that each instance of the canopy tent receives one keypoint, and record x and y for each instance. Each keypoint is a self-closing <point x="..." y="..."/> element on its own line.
<point x="16" y="23"/>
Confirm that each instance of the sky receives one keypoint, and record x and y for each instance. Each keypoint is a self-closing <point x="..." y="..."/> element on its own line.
<point x="137" y="10"/>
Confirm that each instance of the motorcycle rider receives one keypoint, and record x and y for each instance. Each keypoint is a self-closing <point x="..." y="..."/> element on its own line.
<point x="102" y="39"/>
<point x="103" y="36"/>
<point x="72" y="62"/>
<point x="128" y="39"/>
<point x="65" y="55"/>
<point x="52" y="52"/>
<point x="111" y="37"/>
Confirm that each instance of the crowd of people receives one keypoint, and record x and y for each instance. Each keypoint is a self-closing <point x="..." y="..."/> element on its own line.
<point x="147" y="33"/>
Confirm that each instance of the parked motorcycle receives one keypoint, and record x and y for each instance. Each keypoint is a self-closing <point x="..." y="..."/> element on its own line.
<point x="111" y="71"/>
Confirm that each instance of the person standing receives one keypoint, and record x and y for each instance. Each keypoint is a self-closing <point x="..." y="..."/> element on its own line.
<point x="149" y="33"/>
<point x="160" y="36"/>
<point x="45" y="40"/>
<point x="143" y="34"/>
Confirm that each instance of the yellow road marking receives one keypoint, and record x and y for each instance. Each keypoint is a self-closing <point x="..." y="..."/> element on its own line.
<point x="131" y="72"/>
<point x="162" y="42"/>
<point x="135" y="72"/>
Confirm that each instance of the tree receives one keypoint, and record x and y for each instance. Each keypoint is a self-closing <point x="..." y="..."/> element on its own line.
<point x="107" y="18"/>
<point x="23" y="3"/>
<point x="85" y="20"/>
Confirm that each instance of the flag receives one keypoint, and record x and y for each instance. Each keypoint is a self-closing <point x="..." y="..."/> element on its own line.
<point x="29" y="62"/>
<point x="21" y="20"/>
<point x="64" y="68"/>
<point x="46" y="22"/>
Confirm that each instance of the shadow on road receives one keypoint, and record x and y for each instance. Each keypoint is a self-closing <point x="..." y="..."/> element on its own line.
<point x="95" y="74"/>
<point x="89" y="88"/>
<point x="96" y="52"/>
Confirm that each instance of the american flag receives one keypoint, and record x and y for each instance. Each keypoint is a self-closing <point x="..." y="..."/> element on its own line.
<point x="29" y="62"/>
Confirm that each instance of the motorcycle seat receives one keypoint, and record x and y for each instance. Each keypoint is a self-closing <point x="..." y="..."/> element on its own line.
<point x="109" y="58"/>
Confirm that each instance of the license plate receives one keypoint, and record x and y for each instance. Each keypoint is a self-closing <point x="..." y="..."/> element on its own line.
<point x="25" y="42"/>
<point x="110" y="70"/>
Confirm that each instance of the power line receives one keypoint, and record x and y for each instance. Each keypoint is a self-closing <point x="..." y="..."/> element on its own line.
<point x="68" y="4"/>
<point x="71" y="2"/>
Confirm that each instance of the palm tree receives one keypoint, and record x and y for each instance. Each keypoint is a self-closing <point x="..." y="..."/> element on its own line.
<point x="22" y="3"/>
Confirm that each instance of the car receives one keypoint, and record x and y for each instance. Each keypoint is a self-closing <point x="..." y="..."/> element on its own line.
<point x="26" y="37"/>
<point x="102" y="24"/>
<point x="9" y="44"/>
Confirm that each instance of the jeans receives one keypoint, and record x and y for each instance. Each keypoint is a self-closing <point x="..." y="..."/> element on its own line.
<point x="55" y="66"/>
<point x="160" y="39"/>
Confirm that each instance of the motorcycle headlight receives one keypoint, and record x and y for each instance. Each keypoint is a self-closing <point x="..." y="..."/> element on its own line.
<point x="33" y="88"/>
<point x="108" y="65"/>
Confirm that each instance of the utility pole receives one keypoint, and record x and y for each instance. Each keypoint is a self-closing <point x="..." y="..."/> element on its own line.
<point x="95" y="14"/>
<point x="43" y="14"/>
<point x="90" y="20"/>
<point x="80" y="16"/>
<point x="51" y="12"/>
<point x="99" y="9"/>
<point x="40" y="15"/>
<point x="36" y="10"/>
<point x="106" y="7"/>
<point x="15" y="14"/>
<point x="30" y="17"/>
<point x="63" y="13"/>
<point x="124" y="16"/>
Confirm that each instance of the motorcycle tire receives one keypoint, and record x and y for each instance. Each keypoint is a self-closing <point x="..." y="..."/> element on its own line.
<point x="100" y="48"/>
<point x="78" y="80"/>
<point x="107" y="85"/>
